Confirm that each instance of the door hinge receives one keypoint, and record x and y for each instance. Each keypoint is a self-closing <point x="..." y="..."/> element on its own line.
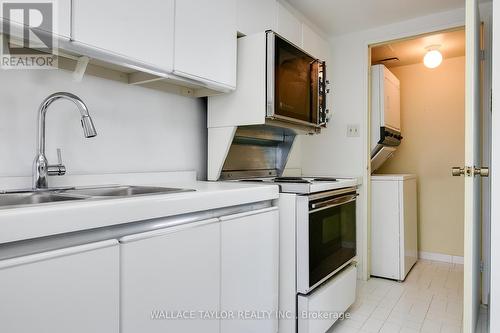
<point x="481" y="266"/>
<point x="482" y="54"/>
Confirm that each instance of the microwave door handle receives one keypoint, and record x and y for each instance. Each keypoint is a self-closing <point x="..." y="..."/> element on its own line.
<point x="317" y="65"/>
<point x="314" y="91"/>
<point x="322" y="112"/>
<point x="332" y="203"/>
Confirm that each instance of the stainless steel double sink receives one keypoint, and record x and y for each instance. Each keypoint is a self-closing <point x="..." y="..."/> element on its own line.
<point x="27" y="197"/>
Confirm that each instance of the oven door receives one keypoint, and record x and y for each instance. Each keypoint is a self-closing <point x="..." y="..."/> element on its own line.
<point x="296" y="91"/>
<point x="326" y="237"/>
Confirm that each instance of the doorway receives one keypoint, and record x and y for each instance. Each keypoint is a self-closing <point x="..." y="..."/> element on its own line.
<point x="426" y="204"/>
<point x="432" y="123"/>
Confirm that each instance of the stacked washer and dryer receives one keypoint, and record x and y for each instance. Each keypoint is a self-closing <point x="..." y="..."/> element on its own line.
<point x="394" y="248"/>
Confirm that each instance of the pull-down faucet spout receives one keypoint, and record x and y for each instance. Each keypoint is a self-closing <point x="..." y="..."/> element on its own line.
<point x="41" y="167"/>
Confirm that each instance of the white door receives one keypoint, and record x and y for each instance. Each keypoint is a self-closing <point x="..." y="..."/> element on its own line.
<point x="72" y="289"/>
<point x="249" y="266"/>
<point x="472" y="200"/>
<point x="205" y="41"/>
<point x="166" y="274"/>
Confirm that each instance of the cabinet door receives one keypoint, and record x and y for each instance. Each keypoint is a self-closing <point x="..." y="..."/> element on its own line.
<point x="314" y="44"/>
<point x="69" y="290"/>
<point x="255" y="16"/>
<point x="60" y="16"/>
<point x="249" y="259"/>
<point x="288" y="26"/>
<point x="168" y="271"/>
<point x="392" y="100"/>
<point x="205" y="41"/>
<point x="139" y="30"/>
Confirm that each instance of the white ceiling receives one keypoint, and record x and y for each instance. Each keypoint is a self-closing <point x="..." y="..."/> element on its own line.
<point x="451" y="44"/>
<point x="336" y="17"/>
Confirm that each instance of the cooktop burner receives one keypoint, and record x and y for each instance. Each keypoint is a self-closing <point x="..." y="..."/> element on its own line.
<point x="290" y="180"/>
<point x="325" y="179"/>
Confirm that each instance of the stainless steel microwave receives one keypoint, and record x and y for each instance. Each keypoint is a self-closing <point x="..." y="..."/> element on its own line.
<point x="296" y="87"/>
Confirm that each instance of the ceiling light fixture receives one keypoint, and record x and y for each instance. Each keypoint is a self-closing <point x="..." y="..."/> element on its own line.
<point x="433" y="57"/>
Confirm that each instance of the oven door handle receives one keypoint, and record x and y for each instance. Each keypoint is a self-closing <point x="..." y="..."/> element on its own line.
<point x="332" y="203"/>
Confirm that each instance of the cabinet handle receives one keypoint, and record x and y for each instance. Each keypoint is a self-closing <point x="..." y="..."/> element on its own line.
<point x="165" y="231"/>
<point x="250" y="213"/>
<point x="32" y="258"/>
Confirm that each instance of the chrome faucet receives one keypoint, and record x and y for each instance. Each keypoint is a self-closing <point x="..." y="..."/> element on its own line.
<point x="41" y="167"/>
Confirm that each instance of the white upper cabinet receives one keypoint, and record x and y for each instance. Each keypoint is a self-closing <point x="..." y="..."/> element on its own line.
<point x="63" y="14"/>
<point x="140" y="30"/>
<point x="205" y="41"/>
<point x="61" y="25"/>
<point x="288" y="26"/>
<point x="255" y="16"/>
<point x="314" y="44"/>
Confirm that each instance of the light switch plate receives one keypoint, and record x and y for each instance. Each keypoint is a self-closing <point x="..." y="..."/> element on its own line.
<point x="353" y="130"/>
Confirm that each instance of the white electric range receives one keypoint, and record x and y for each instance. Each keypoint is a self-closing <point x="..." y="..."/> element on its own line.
<point x="317" y="250"/>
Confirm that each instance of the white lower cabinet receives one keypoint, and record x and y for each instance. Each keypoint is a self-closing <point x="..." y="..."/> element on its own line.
<point x="249" y="274"/>
<point x="184" y="278"/>
<point x="168" y="273"/>
<point x="73" y="290"/>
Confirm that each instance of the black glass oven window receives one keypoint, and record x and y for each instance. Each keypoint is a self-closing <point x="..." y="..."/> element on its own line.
<point x="332" y="240"/>
<point x="294" y="82"/>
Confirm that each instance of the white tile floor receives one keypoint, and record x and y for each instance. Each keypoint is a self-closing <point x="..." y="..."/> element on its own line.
<point x="429" y="300"/>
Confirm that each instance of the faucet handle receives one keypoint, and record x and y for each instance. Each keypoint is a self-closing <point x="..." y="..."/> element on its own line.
<point x="59" y="156"/>
<point x="59" y="169"/>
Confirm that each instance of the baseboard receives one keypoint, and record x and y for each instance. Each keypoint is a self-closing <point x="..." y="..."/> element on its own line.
<point x="441" y="257"/>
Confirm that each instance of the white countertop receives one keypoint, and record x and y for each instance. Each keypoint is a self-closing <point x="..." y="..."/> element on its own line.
<point x="393" y="177"/>
<point x="55" y="218"/>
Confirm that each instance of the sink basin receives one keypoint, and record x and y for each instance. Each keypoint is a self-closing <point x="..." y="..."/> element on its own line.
<point x="32" y="198"/>
<point x="123" y="191"/>
<point x="18" y="198"/>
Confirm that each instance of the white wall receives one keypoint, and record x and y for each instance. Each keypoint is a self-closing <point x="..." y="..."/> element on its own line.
<point x="139" y="129"/>
<point x="432" y="122"/>
<point x="332" y="153"/>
